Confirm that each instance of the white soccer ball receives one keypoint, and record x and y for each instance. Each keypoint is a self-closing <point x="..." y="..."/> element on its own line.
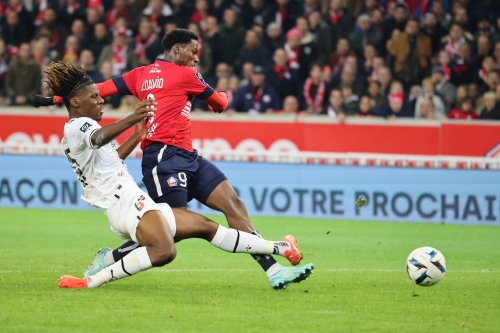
<point x="426" y="266"/>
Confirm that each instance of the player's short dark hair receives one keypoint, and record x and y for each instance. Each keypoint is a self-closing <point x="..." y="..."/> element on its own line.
<point x="65" y="80"/>
<point x="177" y="36"/>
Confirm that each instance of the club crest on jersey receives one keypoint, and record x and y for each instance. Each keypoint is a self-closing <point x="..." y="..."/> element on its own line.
<point x="85" y="127"/>
<point x="198" y="75"/>
<point x="139" y="205"/>
<point x="172" y="181"/>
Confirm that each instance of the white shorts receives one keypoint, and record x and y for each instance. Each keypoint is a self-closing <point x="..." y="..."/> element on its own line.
<point x="132" y="204"/>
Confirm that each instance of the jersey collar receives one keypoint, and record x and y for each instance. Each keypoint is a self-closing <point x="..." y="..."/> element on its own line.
<point x="162" y="60"/>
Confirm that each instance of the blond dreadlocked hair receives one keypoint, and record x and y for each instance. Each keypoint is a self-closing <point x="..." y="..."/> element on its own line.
<point x="64" y="80"/>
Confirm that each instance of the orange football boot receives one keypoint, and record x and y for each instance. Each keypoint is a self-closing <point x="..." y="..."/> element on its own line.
<point x="293" y="255"/>
<point x="68" y="281"/>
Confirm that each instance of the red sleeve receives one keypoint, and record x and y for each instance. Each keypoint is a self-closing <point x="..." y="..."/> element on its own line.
<point x="218" y="101"/>
<point x="107" y="88"/>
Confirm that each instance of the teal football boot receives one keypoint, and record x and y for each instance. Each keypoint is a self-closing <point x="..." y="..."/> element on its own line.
<point x="288" y="275"/>
<point x="99" y="263"/>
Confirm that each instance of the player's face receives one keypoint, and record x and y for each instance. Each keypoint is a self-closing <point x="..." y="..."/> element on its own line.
<point x="89" y="103"/>
<point x="188" y="56"/>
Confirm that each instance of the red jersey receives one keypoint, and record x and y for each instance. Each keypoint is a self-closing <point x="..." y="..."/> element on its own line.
<point x="173" y="87"/>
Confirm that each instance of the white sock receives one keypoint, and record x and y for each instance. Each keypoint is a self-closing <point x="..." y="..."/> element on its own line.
<point x="134" y="262"/>
<point x="232" y="240"/>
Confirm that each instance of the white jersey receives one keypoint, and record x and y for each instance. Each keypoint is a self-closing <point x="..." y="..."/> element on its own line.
<point x="100" y="170"/>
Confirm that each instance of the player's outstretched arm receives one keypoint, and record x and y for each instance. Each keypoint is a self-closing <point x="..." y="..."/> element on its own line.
<point x="140" y="133"/>
<point x="107" y="88"/>
<point x="218" y="101"/>
<point x="106" y="134"/>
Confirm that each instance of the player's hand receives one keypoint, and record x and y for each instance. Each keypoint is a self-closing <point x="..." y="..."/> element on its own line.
<point x="145" y="109"/>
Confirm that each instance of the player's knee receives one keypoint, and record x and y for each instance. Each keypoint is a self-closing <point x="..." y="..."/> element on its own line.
<point x="163" y="255"/>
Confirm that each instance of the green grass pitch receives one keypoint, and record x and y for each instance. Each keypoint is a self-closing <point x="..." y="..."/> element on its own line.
<point x="359" y="283"/>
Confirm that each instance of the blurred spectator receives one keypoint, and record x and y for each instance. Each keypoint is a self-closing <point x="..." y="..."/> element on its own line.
<point x="454" y="40"/>
<point x="464" y="69"/>
<point x="321" y="33"/>
<point x="120" y="9"/>
<point x="377" y="18"/>
<point x="492" y="81"/>
<point x="312" y="6"/>
<point x="281" y="76"/>
<point x="68" y="12"/>
<point x="376" y="94"/>
<point x="376" y="64"/>
<point x="157" y="12"/>
<point x="222" y="70"/>
<point x="99" y="40"/>
<point x="78" y="30"/>
<point x="348" y="79"/>
<point x="40" y="52"/>
<point x="439" y="10"/>
<point x="395" y="21"/>
<point x="365" y="107"/>
<point x="465" y="110"/>
<point x="253" y="51"/>
<point x="214" y="39"/>
<point x="71" y="50"/>
<point x="273" y="38"/>
<point x="461" y="94"/>
<point x="497" y="92"/>
<point x="307" y="43"/>
<point x="416" y="92"/>
<point x="384" y="76"/>
<point x="426" y="109"/>
<point x="444" y="88"/>
<point x="144" y="43"/>
<point x="257" y="97"/>
<point x="411" y="51"/>
<point x="201" y="12"/>
<point x="483" y="47"/>
<point x="337" y="58"/>
<point x="15" y="32"/>
<point x="444" y="60"/>
<point x="290" y="105"/>
<point x="24" y="77"/>
<point x="396" y="108"/>
<point x="121" y="56"/>
<point x="314" y="90"/>
<point x="335" y="107"/>
<point x="3" y="70"/>
<point x="247" y="73"/>
<point x="369" y="55"/>
<point x="434" y="30"/>
<point x="233" y="34"/>
<point x="87" y="61"/>
<point x="474" y="92"/>
<point x="340" y="21"/>
<point x="53" y="31"/>
<point x="496" y="56"/>
<point x="351" y="100"/>
<point x="254" y="13"/>
<point x="204" y="51"/>
<point x="18" y="7"/>
<point x="180" y="13"/>
<point x="491" y="110"/>
<point x="283" y="12"/>
<point x="298" y="55"/>
<point x="428" y="87"/>
<point x="364" y="35"/>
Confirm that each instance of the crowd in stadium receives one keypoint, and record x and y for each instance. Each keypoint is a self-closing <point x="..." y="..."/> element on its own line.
<point x="431" y="59"/>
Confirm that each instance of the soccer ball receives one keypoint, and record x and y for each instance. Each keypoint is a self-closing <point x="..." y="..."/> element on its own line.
<point x="426" y="266"/>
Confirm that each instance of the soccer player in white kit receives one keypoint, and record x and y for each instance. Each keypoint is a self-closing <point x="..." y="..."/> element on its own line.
<point x="107" y="184"/>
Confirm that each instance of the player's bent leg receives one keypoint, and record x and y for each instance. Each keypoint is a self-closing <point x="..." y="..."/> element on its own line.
<point x="224" y="199"/>
<point x="193" y="225"/>
<point x="157" y="249"/>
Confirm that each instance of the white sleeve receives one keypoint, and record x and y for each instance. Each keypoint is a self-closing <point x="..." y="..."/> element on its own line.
<point x="79" y="133"/>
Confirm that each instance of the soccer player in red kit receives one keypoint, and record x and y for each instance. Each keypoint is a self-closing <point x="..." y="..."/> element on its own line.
<point x="173" y="172"/>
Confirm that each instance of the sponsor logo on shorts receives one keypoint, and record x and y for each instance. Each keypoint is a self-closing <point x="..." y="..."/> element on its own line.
<point x="85" y="127"/>
<point x="141" y="197"/>
<point x="139" y="205"/>
<point x="172" y="181"/>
